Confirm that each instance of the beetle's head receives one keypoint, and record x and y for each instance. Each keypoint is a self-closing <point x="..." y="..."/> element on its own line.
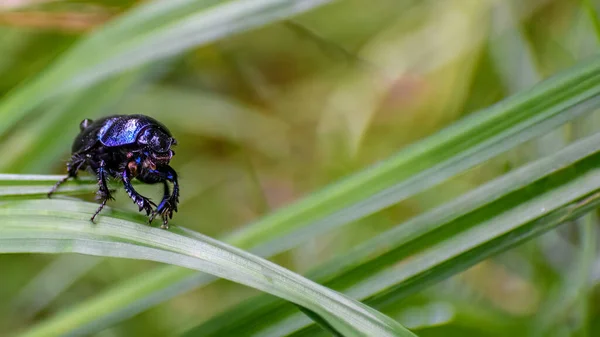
<point x="158" y="143"/>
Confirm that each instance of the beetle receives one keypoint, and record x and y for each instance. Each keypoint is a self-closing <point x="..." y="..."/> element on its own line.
<point x="126" y="147"/>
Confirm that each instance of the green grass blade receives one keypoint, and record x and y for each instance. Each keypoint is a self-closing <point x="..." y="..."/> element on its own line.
<point x="59" y="226"/>
<point x="323" y="323"/>
<point x="131" y="41"/>
<point x="19" y="186"/>
<point x="593" y="15"/>
<point x="463" y="145"/>
<point x="446" y="240"/>
<point x="54" y="279"/>
<point x="568" y="300"/>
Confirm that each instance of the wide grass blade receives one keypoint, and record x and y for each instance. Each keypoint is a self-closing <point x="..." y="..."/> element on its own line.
<point x="60" y="226"/>
<point x="433" y="246"/>
<point x="423" y="165"/>
<point x="27" y="186"/>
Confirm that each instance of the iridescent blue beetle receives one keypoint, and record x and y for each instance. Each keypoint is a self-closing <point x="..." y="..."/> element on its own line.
<point x="127" y="147"/>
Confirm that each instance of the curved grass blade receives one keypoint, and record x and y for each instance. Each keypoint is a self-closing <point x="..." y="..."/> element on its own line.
<point x="132" y="39"/>
<point x="323" y="323"/>
<point x="568" y="301"/>
<point x="58" y="226"/>
<point x="467" y="143"/>
<point x="50" y="282"/>
<point x="430" y="247"/>
<point x="415" y="169"/>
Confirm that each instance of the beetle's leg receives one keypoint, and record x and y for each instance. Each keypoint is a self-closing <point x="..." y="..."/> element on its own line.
<point x="163" y="202"/>
<point x="103" y="191"/>
<point x="143" y="202"/>
<point x="102" y="204"/>
<point x="73" y="165"/>
<point x="168" y="205"/>
<point x="166" y="195"/>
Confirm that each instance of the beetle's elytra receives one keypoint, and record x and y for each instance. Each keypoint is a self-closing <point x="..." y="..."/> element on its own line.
<point x="127" y="147"/>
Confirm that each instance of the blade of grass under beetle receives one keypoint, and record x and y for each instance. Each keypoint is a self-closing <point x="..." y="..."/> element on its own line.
<point x="39" y="144"/>
<point x="444" y="241"/>
<point x="60" y="226"/>
<point x="131" y="40"/>
<point x="21" y="186"/>
<point x="461" y="146"/>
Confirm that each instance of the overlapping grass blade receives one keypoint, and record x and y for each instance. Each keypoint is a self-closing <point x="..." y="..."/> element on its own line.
<point x="39" y="292"/>
<point x="60" y="226"/>
<point x="152" y="31"/>
<point x="444" y="241"/>
<point x="467" y="143"/>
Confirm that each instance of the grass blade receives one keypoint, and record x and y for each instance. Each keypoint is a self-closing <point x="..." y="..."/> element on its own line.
<point x="467" y="143"/>
<point x="175" y="26"/>
<point x="51" y="281"/>
<point x="446" y="240"/>
<point x="59" y="226"/>
<point x="27" y="186"/>
<point x="463" y="145"/>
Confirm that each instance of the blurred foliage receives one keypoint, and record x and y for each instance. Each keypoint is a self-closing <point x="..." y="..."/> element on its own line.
<point x="268" y="116"/>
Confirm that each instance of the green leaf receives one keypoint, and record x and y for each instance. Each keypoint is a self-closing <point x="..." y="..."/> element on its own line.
<point x="442" y="242"/>
<point x="60" y="226"/>
<point x="423" y="165"/>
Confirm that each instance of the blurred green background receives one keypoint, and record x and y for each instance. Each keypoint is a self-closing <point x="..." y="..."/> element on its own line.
<point x="268" y="116"/>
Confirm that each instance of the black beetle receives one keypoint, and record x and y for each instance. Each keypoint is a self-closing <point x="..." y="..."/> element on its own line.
<point x="127" y="147"/>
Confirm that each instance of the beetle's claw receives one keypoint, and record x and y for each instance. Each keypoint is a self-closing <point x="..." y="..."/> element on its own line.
<point x="166" y="213"/>
<point x="152" y="217"/>
<point x="165" y="217"/>
<point x="145" y="204"/>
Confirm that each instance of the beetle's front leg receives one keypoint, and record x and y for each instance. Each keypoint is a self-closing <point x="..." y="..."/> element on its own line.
<point x="144" y="203"/>
<point x="168" y="205"/>
<point x="73" y="166"/>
